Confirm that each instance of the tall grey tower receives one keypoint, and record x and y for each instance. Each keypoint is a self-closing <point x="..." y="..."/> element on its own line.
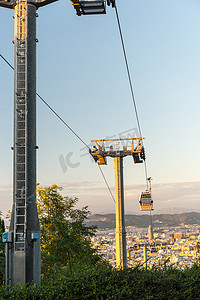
<point x="23" y="239"/>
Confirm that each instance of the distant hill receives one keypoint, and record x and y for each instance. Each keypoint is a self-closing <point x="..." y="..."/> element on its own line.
<point x="168" y="220"/>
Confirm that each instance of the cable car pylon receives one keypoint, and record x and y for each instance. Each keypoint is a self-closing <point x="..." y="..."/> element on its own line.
<point x="100" y="151"/>
<point x="23" y="239"/>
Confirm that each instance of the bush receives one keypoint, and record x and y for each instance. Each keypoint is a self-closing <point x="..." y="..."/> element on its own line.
<point x="103" y="282"/>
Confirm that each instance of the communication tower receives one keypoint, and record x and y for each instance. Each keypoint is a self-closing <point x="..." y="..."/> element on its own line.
<point x="23" y="239"/>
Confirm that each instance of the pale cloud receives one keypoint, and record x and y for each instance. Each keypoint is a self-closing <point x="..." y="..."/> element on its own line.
<point x="5" y="198"/>
<point x="184" y="196"/>
<point x="5" y="187"/>
<point x="171" y="200"/>
<point x="168" y="197"/>
<point x="76" y="184"/>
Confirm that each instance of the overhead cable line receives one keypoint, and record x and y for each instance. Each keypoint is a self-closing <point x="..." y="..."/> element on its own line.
<point x="55" y="113"/>
<point x="6" y="62"/>
<point x="61" y="119"/>
<point x="50" y="107"/>
<point x="106" y="183"/>
<point x="130" y="83"/>
<point x="132" y="93"/>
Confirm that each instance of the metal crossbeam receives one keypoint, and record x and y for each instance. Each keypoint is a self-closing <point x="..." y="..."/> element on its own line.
<point x="117" y="148"/>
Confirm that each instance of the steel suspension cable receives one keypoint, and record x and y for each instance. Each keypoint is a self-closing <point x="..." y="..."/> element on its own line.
<point x="7" y="62"/>
<point x="55" y="113"/>
<point x="61" y="119"/>
<point x="107" y="184"/>
<point x="104" y="178"/>
<point x="131" y="85"/>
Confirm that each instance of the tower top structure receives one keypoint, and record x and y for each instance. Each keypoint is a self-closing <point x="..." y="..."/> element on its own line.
<point x="38" y="3"/>
<point x="118" y="148"/>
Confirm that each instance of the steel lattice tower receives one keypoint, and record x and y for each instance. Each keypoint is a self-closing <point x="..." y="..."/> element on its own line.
<point x="23" y="239"/>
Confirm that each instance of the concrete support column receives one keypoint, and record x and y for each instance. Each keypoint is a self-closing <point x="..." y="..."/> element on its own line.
<point x="23" y="253"/>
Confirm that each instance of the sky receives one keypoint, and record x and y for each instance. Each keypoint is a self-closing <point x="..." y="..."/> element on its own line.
<point x="81" y="74"/>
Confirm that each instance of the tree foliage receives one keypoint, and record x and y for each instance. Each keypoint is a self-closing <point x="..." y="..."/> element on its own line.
<point x="65" y="240"/>
<point x="105" y="283"/>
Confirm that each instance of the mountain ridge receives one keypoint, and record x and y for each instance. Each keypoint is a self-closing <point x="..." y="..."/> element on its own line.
<point x="103" y="221"/>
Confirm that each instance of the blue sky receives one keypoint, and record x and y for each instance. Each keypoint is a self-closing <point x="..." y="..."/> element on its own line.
<point x="81" y="74"/>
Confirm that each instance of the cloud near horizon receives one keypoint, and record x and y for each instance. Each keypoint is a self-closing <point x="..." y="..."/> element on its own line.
<point x="183" y="196"/>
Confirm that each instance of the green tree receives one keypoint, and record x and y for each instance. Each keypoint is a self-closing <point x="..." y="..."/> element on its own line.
<point x="65" y="240"/>
<point x="2" y="252"/>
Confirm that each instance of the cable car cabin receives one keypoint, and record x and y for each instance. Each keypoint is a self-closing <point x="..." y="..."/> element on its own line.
<point x="153" y="251"/>
<point x="146" y="203"/>
<point x="89" y="7"/>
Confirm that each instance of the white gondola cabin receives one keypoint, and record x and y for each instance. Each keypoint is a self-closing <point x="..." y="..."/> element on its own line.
<point x="146" y="202"/>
